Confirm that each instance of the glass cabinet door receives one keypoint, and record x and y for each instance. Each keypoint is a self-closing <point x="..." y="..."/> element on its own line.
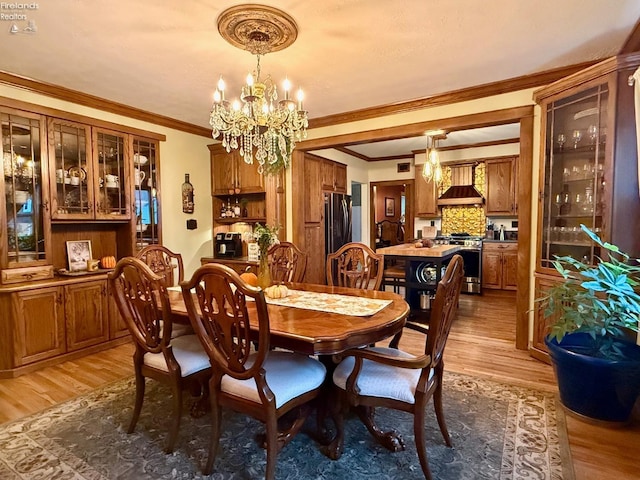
<point x="574" y="187"/>
<point x="111" y="175"/>
<point x="23" y="189"/>
<point x="70" y="154"/>
<point x="145" y="191"/>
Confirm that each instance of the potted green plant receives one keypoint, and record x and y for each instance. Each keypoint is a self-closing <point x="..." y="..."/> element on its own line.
<point x="593" y="314"/>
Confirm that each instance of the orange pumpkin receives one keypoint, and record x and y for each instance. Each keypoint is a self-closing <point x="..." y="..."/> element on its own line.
<point x="250" y="278"/>
<point x="108" y="262"/>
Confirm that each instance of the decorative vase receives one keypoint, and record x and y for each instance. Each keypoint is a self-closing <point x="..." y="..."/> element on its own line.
<point x="264" y="274"/>
<point x="596" y="388"/>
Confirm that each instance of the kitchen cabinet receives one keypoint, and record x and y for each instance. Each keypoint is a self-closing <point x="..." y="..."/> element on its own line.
<point x="334" y="176"/>
<point x="588" y="161"/>
<point x="426" y="198"/>
<point x="89" y="168"/>
<point x="232" y="175"/>
<point x="500" y="192"/>
<point x="260" y="196"/>
<point x="500" y="265"/>
<point x="25" y="241"/>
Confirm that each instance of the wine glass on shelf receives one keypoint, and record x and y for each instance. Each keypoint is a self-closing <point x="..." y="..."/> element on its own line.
<point x="593" y="134"/>
<point x="577" y="136"/>
<point x="561" y="140"/>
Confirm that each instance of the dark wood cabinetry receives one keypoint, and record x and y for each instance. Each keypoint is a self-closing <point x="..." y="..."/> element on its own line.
<point x="588" y="150"/>
<point x="308" y="214"/>
<point x="233" y="176"/>
<point x="334" y="176"/>
<point x="426" y="199"/>
<point x="500" y="266"/>
<point x="501" y="193"/>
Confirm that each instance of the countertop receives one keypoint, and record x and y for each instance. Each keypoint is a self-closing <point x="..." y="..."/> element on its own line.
<point x="242" y="260"/>
<point x="409" y="250"/>
<point x="499" y="241"/>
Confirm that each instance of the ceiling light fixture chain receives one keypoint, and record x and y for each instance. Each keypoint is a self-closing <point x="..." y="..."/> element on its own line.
<point x="259" y="125"/>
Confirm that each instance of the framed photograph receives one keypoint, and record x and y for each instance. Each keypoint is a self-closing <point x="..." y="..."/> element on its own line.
<point x="389" y="207"/>
<point x="78" y="253"/>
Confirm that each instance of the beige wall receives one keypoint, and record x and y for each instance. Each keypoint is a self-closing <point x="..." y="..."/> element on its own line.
<point x="181" y="153"/>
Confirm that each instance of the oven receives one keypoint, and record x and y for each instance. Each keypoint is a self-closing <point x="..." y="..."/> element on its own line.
<point x="471" y="253"/>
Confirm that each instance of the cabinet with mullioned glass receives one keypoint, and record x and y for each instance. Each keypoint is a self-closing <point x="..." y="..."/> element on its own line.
<point x="25" y="241"/>
<point x="588" y="169"/>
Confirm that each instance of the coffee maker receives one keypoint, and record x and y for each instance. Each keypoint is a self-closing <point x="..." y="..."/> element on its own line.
<point x="228" y="245"/>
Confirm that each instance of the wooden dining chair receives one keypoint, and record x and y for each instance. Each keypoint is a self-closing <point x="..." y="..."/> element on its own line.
<point x="287" y="262"/>
<point x="355" y="265"/>
<point x="265" y="384"/>
<point x="179" y="362"/>
<point x="387" y="377"/>
<point x="163" y="262"/>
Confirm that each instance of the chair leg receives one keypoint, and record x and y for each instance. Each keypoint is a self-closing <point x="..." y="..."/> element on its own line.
<point x="216" y="419"/>
<point x="140" y="387"/>
<point x="418" y="430"/>
<point x="437" y="404"/>
<point x="177" y="414"/>
<point x="272" y="445"/>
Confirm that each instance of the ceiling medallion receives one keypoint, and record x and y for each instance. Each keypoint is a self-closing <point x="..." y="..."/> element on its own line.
<point x="259" y="124"/>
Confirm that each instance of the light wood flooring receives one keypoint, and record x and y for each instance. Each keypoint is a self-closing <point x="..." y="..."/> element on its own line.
<point x="481" y="343"/>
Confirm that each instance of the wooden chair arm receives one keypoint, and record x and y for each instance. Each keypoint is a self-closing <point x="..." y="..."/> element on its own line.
<point x="417" y="362"/>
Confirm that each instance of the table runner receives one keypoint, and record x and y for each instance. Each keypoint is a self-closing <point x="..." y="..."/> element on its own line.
<point x="326" y="302"/>
<point x="331" y="303"/>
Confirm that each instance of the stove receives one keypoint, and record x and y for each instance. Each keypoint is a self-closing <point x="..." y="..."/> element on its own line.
<point x="471" y="252"/>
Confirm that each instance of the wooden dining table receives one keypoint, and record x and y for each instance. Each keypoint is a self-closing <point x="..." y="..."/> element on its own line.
<point x="322" y="333"/>
<point x="313" y="332"/>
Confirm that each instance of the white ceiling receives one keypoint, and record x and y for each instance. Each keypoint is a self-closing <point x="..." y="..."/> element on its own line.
<point x="166" y="56"/>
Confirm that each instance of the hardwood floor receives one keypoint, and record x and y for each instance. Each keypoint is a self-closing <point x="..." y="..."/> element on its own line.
<point x="481" y="343"/>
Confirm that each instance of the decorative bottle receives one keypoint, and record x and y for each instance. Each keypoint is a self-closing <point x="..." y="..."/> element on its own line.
<point x="187" y="195"/>
<point x="236" y="209"/>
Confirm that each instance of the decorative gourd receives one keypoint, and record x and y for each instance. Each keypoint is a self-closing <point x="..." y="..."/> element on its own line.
<point x="250" y="278"/>
<point x="277" y="291"/>
<point x="108" y="262"/>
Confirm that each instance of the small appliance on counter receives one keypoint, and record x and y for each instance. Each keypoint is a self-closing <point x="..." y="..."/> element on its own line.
<point x="228" y="245"/>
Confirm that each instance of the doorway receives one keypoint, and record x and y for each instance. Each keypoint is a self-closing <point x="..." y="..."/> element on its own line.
<point x="391" y="212"/>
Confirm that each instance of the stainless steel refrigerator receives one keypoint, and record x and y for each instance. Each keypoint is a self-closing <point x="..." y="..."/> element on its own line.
<point x="337" y="221"/>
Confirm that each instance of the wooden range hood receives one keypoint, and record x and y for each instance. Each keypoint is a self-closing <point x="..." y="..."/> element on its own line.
<point x="462" y="190"/>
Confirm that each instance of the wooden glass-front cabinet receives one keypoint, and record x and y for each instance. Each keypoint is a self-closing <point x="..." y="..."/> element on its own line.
<point x="25" y="240"/>
<point x="146" y="182"/>
<point x="89" y="167"/>
<point x="588" y="171"/>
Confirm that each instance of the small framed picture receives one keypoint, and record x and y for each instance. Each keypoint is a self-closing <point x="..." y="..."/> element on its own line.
<point x="389" y="207"/>
<point x="78" y="253"/>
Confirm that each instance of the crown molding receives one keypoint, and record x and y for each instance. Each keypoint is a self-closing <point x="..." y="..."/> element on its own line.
<point x="455" y="96"/>
<point x="66" y="94"/>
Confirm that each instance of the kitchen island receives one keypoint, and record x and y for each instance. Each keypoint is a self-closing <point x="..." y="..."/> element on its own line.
<point x="423" y="267"/>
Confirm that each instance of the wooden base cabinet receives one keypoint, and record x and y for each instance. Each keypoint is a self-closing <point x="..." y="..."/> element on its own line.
<point x="47" y="322"/>
<point x="538" y="349"/>
<point x="86" y="315"/>
<point x="500" y="266"/>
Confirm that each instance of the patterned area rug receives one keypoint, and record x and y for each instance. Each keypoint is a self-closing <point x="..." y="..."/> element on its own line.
<point x="498" y="432"/>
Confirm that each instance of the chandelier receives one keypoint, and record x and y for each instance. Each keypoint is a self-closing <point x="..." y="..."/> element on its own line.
<point x="432" y="169"/>
<point x="259" y="124"/>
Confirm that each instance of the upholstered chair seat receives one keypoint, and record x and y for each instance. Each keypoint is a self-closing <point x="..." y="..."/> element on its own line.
<point x="380" y="380"/>
<point x="187" y="351"/>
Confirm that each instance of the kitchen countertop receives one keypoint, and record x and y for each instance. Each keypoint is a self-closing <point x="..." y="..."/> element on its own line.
<point x="486" y="240"/>
<point x="409" y="250"/>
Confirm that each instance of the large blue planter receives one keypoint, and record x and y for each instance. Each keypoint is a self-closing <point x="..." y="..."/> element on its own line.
<point x="597" y="388"/>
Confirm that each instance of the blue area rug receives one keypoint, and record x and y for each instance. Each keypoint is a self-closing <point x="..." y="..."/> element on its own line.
<point x="498" y="432"/>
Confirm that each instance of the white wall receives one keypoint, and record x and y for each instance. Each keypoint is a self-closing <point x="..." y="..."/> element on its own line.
<point x="181" y="153"/>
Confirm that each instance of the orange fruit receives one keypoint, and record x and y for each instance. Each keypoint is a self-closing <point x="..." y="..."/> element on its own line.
<point x="250" y="278"/>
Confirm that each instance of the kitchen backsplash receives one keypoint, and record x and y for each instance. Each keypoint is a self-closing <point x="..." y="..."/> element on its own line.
<point x="464" y="218"/>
